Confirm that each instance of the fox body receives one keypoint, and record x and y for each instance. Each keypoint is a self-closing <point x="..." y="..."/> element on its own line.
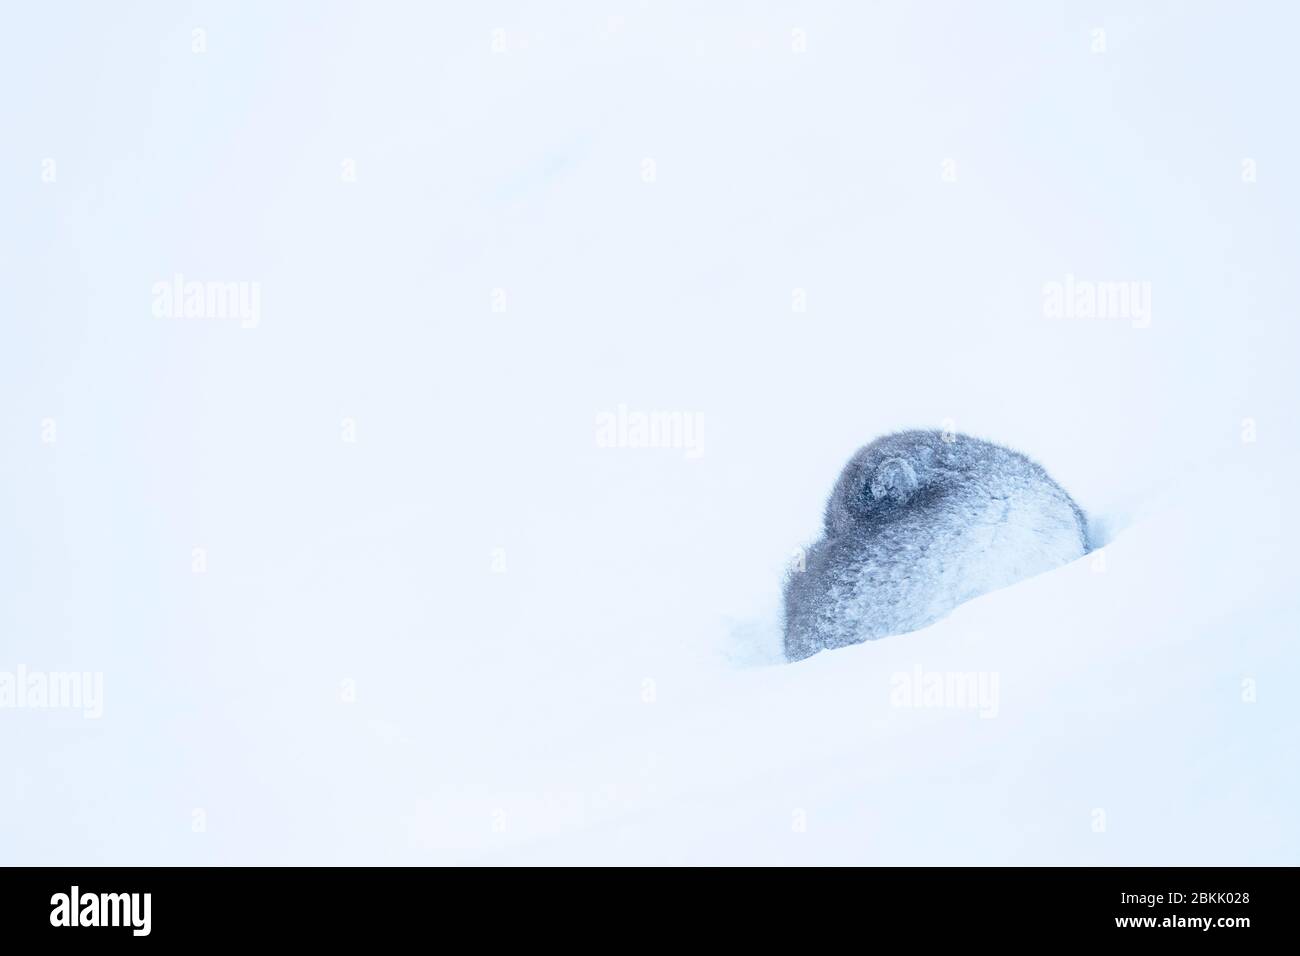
<point x="918" y="522"/>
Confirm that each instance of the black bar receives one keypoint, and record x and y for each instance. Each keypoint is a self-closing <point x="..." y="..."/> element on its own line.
<point x="370" y="905"/>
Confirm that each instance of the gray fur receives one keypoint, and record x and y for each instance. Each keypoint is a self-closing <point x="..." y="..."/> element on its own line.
<point x="917" y="523"/>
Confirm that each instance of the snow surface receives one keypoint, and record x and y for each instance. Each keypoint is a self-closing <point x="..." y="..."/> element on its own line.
<point x="360" y="675"/>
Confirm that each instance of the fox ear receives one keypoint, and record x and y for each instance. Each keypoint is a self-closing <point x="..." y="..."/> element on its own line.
<point x="894" y="480"/>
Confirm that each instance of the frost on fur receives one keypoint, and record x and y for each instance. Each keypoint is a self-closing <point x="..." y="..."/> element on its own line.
<point x="917" y="523"/>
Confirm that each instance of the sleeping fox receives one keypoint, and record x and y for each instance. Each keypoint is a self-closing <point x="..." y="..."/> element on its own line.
<point x="918" y="522"/>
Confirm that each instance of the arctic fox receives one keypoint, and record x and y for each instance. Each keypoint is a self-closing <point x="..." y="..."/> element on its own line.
<point x="918" y="522"/>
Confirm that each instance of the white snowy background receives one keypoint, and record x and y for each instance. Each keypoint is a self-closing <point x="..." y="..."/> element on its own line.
<point x="473" y="635"/>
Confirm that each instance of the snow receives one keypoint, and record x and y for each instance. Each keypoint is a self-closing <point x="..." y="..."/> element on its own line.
<point x="1119" y="688"/>
<point x="480" y="634"/>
